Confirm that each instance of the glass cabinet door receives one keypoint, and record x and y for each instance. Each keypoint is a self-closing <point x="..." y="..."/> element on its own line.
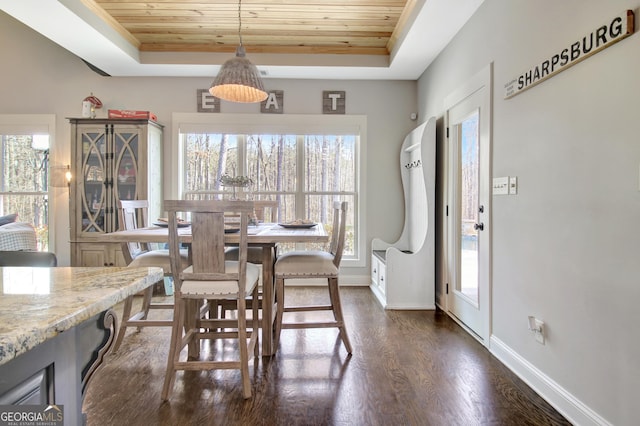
<point x="94" y="169"/>
<point x="126" y="164"/>
<point x="110" y="168"/>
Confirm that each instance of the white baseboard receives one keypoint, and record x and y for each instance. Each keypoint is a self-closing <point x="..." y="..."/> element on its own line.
<point x="568" y="405"/>
<point x="378" y="295"/>
<point x="410" y="307"/>
<point x="355" y="280"/>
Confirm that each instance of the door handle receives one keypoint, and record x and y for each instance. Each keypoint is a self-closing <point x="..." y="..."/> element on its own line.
<point x="479" y="226"/>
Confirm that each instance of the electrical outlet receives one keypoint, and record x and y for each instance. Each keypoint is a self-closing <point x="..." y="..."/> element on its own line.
<point x="537" y="326"/>
<point x="513" y="185"/>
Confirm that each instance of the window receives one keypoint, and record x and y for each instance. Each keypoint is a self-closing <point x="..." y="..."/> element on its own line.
<point x="303" y="167"/>
<point x="24" y="168"/>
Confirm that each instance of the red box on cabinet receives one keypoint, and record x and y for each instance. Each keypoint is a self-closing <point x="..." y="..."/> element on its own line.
<point x="133" y="114"/>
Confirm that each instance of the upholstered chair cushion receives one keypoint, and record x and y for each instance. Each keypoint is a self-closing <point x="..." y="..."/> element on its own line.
<point x="160" y="259"/>
<point x="305" y="264"/>
<point x="254" y="254"/>
<point x="222" y="287"/>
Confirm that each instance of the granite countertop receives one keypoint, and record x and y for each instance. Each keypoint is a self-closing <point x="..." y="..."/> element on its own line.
<point x="38" y="303"/>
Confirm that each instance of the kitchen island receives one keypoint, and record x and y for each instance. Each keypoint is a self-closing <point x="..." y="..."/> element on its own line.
<point x="56" y="325"/>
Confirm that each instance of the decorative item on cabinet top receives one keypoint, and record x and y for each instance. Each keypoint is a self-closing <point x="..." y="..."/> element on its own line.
<point x="89" y="106"/>
<point x="132" y="114"/>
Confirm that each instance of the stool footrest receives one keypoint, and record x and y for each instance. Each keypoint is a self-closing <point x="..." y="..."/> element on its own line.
<point x="307" y="308"/>
<point x="149" y="323"/>
<point x="290" y="325"/>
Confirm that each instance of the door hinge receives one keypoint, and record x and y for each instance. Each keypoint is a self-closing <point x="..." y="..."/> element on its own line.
<point x="447" y="132"/>
<point x="447" y="211"/>
<point x="447" y="289"/>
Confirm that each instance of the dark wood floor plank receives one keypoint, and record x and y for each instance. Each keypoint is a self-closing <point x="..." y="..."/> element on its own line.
<point x="407" y="368"/>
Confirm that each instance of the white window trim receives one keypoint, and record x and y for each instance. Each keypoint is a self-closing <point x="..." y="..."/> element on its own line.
<point x="279" y="123"/>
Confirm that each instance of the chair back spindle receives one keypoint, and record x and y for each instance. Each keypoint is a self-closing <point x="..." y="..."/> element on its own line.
<point x="339" y="229"/>
<point x="133" y="214"/>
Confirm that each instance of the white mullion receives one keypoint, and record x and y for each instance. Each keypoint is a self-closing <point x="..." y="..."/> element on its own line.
<point x="300" y="163"/>
<point x="182" y="169"/>
<point x="242" y="154"/>
<point x="300" y="192"/>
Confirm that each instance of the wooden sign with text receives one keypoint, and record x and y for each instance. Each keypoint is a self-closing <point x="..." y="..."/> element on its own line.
<point x="604" y="36"/>
<point x="334" y="102"/>
<point x="274" y="104"/>
<point x="207" y="102"/>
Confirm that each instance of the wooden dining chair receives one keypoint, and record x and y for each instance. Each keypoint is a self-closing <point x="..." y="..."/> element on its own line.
<point x="133" y="214"/>
<point x="313" y="264"/>
<point x="262" y="207"/>
<point x="211" y="277"/>
<point x="265" y="211"/>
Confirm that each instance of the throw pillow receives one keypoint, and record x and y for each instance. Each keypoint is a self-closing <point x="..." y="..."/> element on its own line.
<point x="10" y="218"/>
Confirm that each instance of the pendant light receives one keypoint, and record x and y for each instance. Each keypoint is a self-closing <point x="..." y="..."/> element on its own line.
<point x="239" y="80"/>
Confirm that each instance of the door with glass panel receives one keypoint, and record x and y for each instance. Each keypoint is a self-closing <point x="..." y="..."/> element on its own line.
<point x="468" y="201"/>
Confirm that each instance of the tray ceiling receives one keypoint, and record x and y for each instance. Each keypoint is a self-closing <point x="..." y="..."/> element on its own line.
<point x="380" y="39"/>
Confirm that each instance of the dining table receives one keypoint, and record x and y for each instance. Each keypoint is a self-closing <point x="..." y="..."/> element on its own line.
<point x="264" y="235"/>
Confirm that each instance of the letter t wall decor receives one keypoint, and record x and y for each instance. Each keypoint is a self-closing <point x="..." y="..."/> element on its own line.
<point x="334" y="102"/>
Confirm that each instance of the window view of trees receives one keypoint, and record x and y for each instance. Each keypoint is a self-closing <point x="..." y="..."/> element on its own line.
<point x="23" y="188"/>
<point x="469" y="179"/>
<point x="207" y="158"/>
<point x="304" y="173"/>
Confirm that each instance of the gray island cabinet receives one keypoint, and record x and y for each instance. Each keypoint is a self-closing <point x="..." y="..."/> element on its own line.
<point x="56" y="325"/>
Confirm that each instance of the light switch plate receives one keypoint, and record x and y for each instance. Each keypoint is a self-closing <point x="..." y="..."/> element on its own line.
<point x="501" y="186"/>
<point x="513" y="185"/>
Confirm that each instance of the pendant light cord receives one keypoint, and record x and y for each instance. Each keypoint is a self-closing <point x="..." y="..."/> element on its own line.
<point x="240" y="21"/>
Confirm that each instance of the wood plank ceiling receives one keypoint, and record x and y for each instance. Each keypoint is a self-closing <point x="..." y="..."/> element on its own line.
<point x="362" y="27"/>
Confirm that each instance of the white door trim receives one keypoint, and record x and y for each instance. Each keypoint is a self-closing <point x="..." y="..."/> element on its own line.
<point x="481" y="80"/>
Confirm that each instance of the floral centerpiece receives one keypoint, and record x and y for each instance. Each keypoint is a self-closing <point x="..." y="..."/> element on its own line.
<point x="235" y="182"/>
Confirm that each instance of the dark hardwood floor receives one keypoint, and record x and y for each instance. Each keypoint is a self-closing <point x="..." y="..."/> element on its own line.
<point x="407" y="368"/>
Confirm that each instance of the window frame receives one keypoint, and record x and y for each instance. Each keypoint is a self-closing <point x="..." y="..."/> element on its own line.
<point x="29" y="124"/>
<point x="298" y="124"/>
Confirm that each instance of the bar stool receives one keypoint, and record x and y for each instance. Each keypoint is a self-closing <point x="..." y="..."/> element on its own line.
<point x="133" y="214"/>
<point x="314" y="264"/>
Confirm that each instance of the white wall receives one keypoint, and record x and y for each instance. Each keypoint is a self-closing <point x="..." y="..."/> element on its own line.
<point x="40" y="77"/>
<point x="567" y="247"/>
